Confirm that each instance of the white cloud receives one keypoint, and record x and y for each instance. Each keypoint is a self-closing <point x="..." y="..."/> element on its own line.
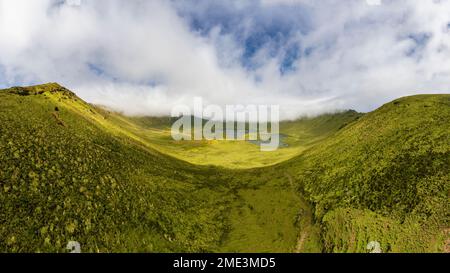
<point x="142" y="57"/>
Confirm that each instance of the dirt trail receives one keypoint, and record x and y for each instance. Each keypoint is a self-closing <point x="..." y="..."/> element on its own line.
<point x="305" y="218"/>
<point x="301" y="240"/>
<point x="447" y="241"/>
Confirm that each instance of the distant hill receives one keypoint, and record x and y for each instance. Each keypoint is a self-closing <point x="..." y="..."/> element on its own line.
<point x="71" y="171"/>
<point x="296" y="136"/>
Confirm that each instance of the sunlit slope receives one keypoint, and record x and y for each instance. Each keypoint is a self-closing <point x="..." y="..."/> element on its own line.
<point x="72" y="172"/>
<point x="308" y="131"/>
<point x="296" y="136"/>
<point x="394" y="162"/>
<point x="64" y="177"/>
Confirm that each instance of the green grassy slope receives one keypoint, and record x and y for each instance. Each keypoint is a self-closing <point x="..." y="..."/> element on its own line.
<point x="270" y="215"/>
<point x="298" y="136"/>
<point x="69" y="171"/>
<point x="64" y="177"/>
<point x="73" y="171"/>
<point x="385" y="178"/>
<point x="308" y="131"/>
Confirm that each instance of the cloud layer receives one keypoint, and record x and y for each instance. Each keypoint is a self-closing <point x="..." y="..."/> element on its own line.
<point x="144" y="57"/>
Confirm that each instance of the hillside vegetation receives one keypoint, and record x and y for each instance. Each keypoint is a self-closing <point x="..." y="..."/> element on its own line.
<point x="297" y="136"/>
<point x="65" y="177"/>
<point x="70" y="171"/>
<point x="74" y="171"/>
<point x="385" y="178"/>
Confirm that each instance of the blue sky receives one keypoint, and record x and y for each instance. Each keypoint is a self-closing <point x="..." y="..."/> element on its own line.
<point x="309" y="57"/>
<point x="269" y="27"/>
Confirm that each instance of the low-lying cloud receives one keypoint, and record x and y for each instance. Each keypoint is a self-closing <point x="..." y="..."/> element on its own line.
<point x="144" y="57"/>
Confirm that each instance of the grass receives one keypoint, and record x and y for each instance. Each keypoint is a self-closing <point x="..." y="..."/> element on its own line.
<point x="70" y="172"/>
<point x="81" y="182"/>
<point x="299" y="136"/>
<point x="349" y="230"/>
<point x="256" y="221"/>
<point x="74" y="171"/>
<point x="393" y="165"/>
